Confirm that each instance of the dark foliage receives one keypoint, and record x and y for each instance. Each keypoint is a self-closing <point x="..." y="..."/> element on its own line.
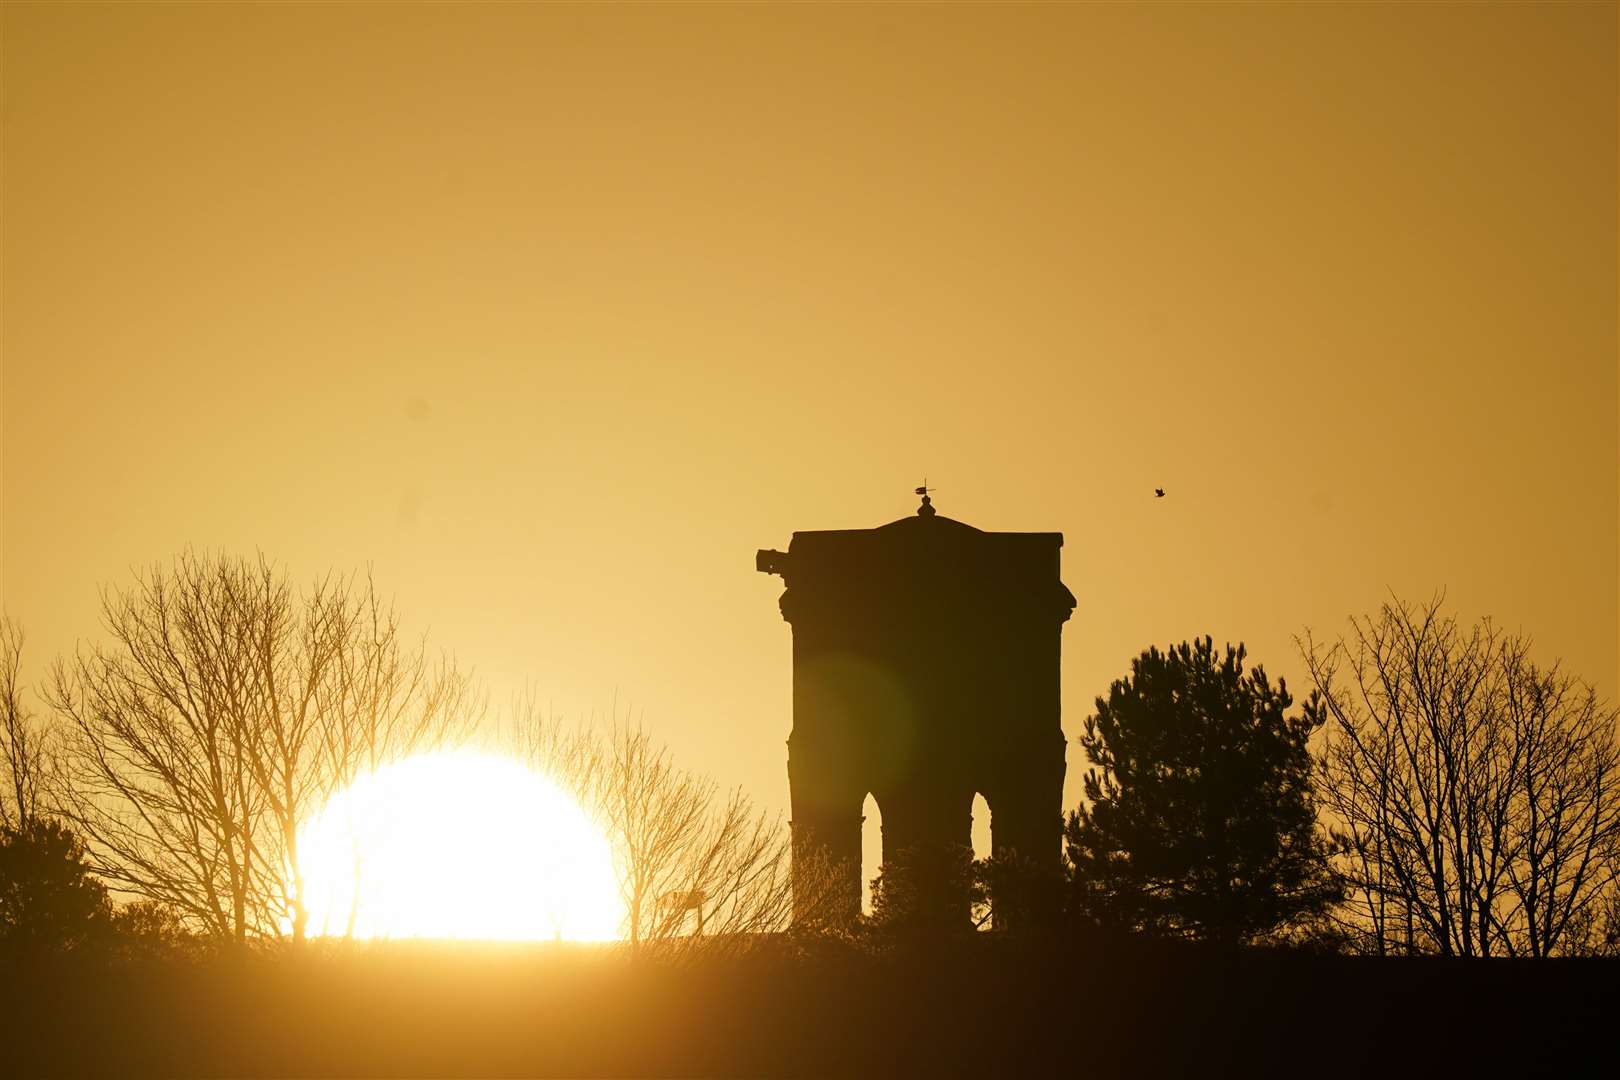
<point x="927" y="894"/>
<point x="153" y="928"/>
<point x="48" y="897"/>
<point x="1024" y="894"/>
<point x="926" y="890"/>
<point x="1200" y="820"/>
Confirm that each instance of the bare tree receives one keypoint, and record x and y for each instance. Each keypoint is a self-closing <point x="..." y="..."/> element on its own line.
<point x="22" y="743"/>
<point x="1564" y="812"/>
<point x="690" y="854"/>
<point x="222" y="711"/>
<point x="1474" y="797"/>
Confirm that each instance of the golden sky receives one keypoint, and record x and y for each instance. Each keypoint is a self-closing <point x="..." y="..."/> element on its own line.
<point x="555" y="314"/>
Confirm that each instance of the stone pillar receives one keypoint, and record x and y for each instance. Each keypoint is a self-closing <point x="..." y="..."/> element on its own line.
<point x="826" y="809"/>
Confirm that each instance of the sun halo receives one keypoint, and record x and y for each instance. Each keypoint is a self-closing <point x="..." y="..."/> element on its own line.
<point x="458" y="844"/>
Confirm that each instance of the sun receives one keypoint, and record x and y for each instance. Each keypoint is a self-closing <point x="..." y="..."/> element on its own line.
<point x="458" y="844"/>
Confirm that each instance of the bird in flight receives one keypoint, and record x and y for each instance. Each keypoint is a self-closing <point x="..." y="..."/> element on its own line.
<point x="1158" y="493"/>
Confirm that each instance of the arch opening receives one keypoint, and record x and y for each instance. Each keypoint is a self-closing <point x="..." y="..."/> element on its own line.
<point x="871" y="848"/>
<point x="981" y="827"/>
<point x="983" y="847"/>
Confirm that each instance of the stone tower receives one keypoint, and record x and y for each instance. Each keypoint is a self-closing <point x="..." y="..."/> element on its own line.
<point x="925" y="670"/>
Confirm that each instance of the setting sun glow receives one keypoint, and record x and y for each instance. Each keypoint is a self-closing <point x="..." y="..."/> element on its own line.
<point x="458" y="845"/>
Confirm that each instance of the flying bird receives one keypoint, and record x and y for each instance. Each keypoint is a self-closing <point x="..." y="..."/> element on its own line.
<point x="1158" y="493"/>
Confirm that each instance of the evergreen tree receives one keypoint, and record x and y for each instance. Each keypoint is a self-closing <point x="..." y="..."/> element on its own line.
<point x="48" y="896"/>
<point x="1200" y="820"/>
<point x="930" y="889"/>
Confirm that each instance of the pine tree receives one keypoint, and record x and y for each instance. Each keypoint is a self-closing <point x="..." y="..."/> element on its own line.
<point x="1200" y="820"/>
<point x="48" y="896"/>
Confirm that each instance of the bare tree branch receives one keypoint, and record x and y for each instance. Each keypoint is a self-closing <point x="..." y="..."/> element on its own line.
<point x="22" y="739"/>
<point x="689" y="854"/>
<point x="1475" y="798"/>
<point x="223" y="710"/>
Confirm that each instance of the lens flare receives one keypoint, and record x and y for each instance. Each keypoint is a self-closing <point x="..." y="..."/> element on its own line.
<point x="458" y="845"/>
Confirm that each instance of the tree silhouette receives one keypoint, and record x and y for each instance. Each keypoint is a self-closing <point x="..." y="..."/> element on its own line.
<point x="48" y="897"/>
<point x="692" y="854"/>
<point x="22" y="740"/>
<point x="223" y="708"/>
<point x="1476" y="795"/>
<point x="1022" y="893"/>
<point x="927" y="889"/>
<point x="149" y="928"/>
<point x="1199" y="819"/>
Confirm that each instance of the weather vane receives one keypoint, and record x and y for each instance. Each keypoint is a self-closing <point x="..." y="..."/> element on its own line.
<point x="927" y="507"/>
